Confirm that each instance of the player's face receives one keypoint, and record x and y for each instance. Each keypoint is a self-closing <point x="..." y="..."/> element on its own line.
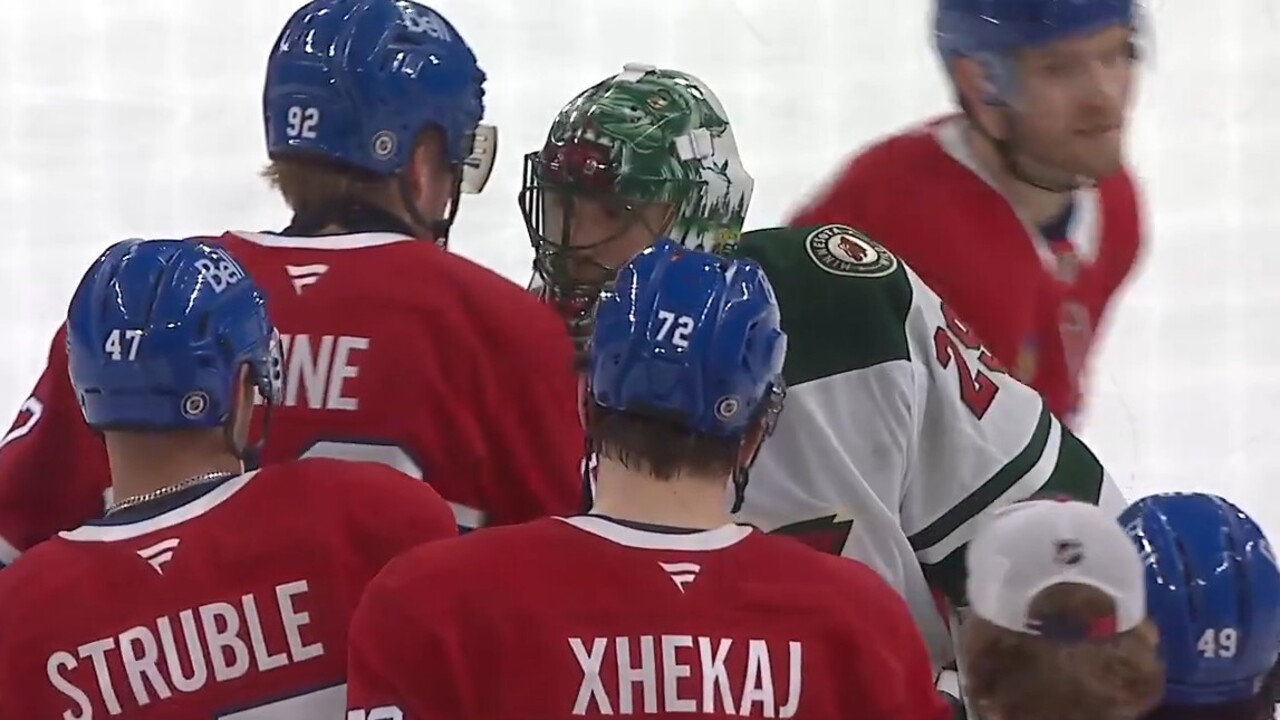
<point x="600" y="234"/>
<point x="1073" y="99"/>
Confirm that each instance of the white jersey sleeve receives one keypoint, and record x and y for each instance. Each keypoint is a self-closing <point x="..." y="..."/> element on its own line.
<point x="899" y="433"/>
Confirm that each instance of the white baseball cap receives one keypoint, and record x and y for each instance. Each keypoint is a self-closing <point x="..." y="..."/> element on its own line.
<point x="1029" y="546"/>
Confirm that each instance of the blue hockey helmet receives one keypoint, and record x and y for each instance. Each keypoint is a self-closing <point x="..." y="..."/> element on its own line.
<point x="992" y="30"/>
<point x="691" y="337"/>
<point x="1213" y="590"/>
<point x="157" y="332"/>
<point x="355" y="81"/>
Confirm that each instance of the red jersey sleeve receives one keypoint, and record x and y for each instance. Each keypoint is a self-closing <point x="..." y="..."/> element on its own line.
<point x="408" y="512"/>
<point x="893" y="677"/>
<point x="519" y="437"/>
<point x="398" y="656"/>
<point x="549" y="445"/>
<point x="53" y="467"/>
<point x="1125" y="213"/>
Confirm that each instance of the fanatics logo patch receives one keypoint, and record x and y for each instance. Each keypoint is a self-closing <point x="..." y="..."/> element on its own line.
<point x="841" y="250"/>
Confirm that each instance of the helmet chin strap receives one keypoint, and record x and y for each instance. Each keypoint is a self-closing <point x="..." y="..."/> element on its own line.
<point x="438" y="228"/>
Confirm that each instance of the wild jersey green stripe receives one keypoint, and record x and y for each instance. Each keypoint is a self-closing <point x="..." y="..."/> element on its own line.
<point x="1076" y="474"/>
<point x="839" y="315"/>
<point x="986" y="494"/>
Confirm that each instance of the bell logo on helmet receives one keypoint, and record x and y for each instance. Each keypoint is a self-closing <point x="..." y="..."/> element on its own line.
<point x="195" y="404"/>
<point x="421" y="20"/>
<point x="841" y="250"/>
<point x="384" y="144"/>
<point x="221" y="274"/>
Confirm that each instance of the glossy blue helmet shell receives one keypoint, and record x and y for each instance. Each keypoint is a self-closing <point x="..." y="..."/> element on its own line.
<point x="688" y="336"/>
<point x="157" y="333"/>
<point x="1213" y="590"/>
<point x="356" y="81"/>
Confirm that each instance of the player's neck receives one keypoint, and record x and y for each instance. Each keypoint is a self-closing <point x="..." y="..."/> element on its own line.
<point x="684" y="502"/>
<point x="1036" y="205"/>
<point x="142" y="463"/>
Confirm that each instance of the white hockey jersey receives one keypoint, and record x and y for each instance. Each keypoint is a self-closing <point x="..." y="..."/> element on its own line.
<point x="900" y="433"/>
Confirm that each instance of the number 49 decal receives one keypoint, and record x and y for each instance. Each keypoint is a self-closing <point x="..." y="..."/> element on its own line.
<point x="1218" y="642"/>
<point x="977" y="389"/>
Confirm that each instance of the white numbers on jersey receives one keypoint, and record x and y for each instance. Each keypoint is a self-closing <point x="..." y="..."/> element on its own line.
<point x="382" y="712"/>
<point x="116" y="341"/>
<point x="222" y="274"/>
<point x="33" y="409"/>
<point x="301" y="122"/>
<point x="319" y="704"/>
<point x="1219" y="642"/>
<point x="677" y="327"/>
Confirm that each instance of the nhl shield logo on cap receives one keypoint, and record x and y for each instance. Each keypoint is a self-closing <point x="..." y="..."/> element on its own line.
<point x="841" y="250"/>
<point x="1068" y="552"/>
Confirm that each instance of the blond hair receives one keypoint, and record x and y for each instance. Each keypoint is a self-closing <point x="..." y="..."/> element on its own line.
<point x="1020" y="676"/>
<point x="311" y="183"/>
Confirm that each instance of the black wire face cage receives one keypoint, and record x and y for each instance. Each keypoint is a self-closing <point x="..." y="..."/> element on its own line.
<point x="555" y="179"/>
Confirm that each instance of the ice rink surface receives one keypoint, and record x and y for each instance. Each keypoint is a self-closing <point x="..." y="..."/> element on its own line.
<point x="141" y="118"/>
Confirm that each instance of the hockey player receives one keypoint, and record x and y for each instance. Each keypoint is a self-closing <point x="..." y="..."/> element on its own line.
<point x="1018" y="210"/>
<point x="204" y="591"/>
<point x="395" y="351"/>
<point x="1059" y="628"/>
<point x="902" y="433"/>
<point x="656" y="604"/>
<point x="1213" y="590"/>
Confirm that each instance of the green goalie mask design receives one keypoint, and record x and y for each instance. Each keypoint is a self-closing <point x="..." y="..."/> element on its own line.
<point x="645" y="146"/>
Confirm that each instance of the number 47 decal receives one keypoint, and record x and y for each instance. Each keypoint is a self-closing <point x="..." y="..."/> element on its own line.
<point x="977" y="389"/>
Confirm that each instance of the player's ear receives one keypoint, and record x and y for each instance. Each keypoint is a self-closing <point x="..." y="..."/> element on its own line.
<point x="584" y="400"/>
<point x="977" y="93"/>
<point x="971" y="82"/>
<point x="242" y="412"/>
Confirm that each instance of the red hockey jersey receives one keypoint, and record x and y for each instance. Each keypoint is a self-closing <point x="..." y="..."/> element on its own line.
<point x="587" y="617"/>
<point x="1037" y="302"/>
<point x="230" y="600"/>
<point x="395" y="351"/>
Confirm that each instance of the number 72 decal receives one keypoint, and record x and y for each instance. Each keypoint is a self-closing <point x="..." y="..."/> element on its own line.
<point x="977" y="389"/>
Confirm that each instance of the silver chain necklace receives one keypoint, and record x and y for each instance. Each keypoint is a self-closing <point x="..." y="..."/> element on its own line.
<point x="168" y="490"/>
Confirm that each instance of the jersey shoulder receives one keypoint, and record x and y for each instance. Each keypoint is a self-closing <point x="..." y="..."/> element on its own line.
<point x="909" y="149"/>
<point x="910" y="158"/>
<point x="804" y="565"/>
<point x="365" y="495"/>
<point x="396" y="270"/>
<point x="46" y="577"/>
<point x="844" y="297"/>
<point x="455" y="569"/>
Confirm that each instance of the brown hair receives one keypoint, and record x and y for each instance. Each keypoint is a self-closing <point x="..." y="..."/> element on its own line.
<point x="1019" y="676"/>
<point x="310" y="182"/>
<point x="660" y="447"/>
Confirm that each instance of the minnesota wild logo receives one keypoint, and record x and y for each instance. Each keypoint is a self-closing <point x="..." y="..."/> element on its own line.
<point x="841" y="250"/>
